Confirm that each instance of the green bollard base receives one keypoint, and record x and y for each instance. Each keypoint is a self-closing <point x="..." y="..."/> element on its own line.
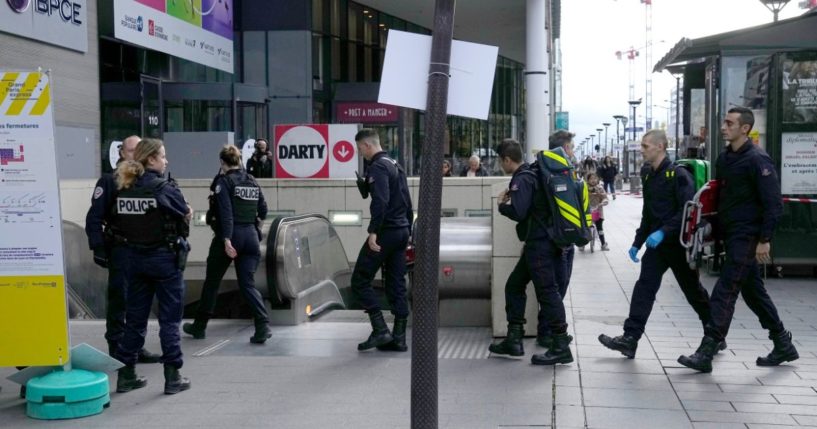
<point x="67" y="394"/>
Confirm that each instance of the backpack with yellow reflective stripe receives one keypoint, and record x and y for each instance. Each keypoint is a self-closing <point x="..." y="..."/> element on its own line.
<point x="567" y="198"/>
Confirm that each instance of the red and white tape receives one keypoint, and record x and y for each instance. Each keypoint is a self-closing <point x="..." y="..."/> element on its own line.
<point x="799" y="200"/>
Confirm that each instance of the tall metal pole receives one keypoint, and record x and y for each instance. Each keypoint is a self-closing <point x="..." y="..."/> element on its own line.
<point x="606" y="124"/>
<point x="677" y="113"/>
<point x="537" y="83"/>
<point x="424" y="392"/>
<point x="598" y="130"/>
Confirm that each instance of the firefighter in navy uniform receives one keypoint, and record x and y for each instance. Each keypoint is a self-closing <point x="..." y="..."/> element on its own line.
<point x="389" y="231"/>
<point x="239" y="203"/>
<point x="666" y="189"/>
<point x="151" y="223"/>
<point x="749" y="207"/>
<point x="541" y="259"/>
<point x="108" y="255"/>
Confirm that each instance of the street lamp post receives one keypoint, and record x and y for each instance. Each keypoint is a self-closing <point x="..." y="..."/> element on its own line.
<point x="599" y="130"/>
<point x="606" y="124"/>
<point x="634" y="104"/>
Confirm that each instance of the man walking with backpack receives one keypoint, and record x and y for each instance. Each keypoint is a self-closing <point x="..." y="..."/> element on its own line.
<point x="524" y="202"/>
<point x="666" y="189"/>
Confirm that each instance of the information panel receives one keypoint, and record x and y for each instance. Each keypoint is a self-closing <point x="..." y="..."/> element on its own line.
<point x="798" y="169"/>
<point x="33" y="316"/>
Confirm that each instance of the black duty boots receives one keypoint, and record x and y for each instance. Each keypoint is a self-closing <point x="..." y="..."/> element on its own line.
<point x="624" y="344"/>
<point x="546" y="340"/>
<point x="262" y="332"/>
<point x="398" y="334"/>
<point x="559" y="353"/>
<point x="512" y="344"/>
<point x="196" y="329"/>
<point x="783" y="351"/>
<point x="174" y="382"/>
<point x="380" y="335"/>
<point x="701" y="360"/>
<point x="127" y="380"/>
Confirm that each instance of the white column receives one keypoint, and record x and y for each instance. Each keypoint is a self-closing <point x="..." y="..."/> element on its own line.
<point x="537" y="84"/>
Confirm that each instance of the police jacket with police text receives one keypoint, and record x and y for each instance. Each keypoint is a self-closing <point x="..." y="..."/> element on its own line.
<point x="239" y="199"/>
<point x="150" y="212"/>
<point x="99" y="214"/>
<point x="749" y="200"/>
<point x="391" y="203"/>
<point x="666" y="190"/>
<point x="526" y="206"/>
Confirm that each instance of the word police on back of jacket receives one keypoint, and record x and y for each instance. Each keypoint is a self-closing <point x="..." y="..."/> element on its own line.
<point x="135" y="206"/>
<point x="247" y="193"/>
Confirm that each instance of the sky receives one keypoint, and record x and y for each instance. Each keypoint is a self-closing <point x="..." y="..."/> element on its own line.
<point x="595" y="83"/>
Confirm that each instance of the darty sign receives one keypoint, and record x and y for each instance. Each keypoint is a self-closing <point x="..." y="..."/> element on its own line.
<point x="366" y="113"/>
<point x="317" y="151"/>
<point x="58" y="22"/>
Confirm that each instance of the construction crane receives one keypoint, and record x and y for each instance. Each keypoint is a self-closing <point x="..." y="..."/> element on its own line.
<point x="631" y="55"/>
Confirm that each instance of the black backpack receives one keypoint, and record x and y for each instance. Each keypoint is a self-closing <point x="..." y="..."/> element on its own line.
<point x="566" y="197"/>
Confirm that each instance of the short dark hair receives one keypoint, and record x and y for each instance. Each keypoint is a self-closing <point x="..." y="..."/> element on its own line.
<point x="367" y="133"/>
<point x="510" y="148"/>
<point x="746" y="116"/>
<point x="559" y="139"/>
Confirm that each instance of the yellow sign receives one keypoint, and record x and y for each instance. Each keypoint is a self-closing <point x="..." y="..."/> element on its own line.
<point x="33" y="313"/>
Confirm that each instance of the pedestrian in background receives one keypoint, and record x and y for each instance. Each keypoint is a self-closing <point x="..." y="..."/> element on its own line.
<point x="608" y="172"/>
<point x="151" y="221"/>
<point x="260" y="163"/>
<point x="111" y="255"/>
<point x="474" y="168"/>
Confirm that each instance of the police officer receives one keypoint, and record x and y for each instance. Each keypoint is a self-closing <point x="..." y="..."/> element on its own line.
<point x="667" y="188"/>
<point x="749" y="207"/>
<point x="239" y="203"/>
<point x="524" y="203"/>
<point x="108" y="255"/>
<point x="389" y="230"/>
<point x="260" y="163"/>
<point x="151" y="222"/>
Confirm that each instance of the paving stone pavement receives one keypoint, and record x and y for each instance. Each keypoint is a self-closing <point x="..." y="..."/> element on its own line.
<point x="312" y="375"/>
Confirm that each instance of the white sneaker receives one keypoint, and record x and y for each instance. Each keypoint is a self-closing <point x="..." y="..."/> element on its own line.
<point x="605" y="247"/>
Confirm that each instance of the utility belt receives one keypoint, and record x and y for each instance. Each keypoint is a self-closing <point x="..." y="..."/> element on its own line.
<point x="179" y="245"/>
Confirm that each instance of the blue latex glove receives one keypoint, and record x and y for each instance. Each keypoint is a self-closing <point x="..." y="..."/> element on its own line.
<point x="633" y="254"/>
<point x="655" y="239"/>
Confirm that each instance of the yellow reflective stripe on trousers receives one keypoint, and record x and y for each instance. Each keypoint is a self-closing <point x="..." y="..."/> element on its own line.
<point x="554" y="157"/>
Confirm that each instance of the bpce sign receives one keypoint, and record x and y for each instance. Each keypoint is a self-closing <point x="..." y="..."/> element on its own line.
<point x="59" y="22"/>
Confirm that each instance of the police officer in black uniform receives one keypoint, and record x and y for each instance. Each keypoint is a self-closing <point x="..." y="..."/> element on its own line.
<point x="389" y="231"/>
<point x="749" y="207"/>
<point x="108" y="255"/>
<point x="151" y="223"/>
<point x="667" y="188"/>
<point x="239" y="204"/>
<point x="524" y="203"/>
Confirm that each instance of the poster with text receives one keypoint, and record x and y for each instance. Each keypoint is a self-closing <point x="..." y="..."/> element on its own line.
<point x="800" y="91"/>
<point x="33" y="317"/>
<point x="798" y="169"/>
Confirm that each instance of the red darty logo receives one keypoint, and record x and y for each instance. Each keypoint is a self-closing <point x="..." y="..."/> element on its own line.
<point x="301" y="151"/>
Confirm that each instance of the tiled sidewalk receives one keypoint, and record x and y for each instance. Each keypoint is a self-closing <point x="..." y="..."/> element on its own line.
<point x="312" y="376"/>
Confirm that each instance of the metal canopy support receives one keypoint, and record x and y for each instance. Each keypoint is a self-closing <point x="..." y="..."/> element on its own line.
<point x="424" y="392"/>
<point x="537" y="119"/>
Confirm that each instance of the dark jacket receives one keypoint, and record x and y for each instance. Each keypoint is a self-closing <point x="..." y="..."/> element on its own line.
<point x="260" y="166"/>
<point x="391" y="202"/>
<point x="224" y="192"/>
<point x="99" y="214"/>
<point x="525" y="200"/>
<point x="749" y="202"/>
<point x="666" y="190"/>
<point x="608" y="172"/>
<point x="479" y="173"/>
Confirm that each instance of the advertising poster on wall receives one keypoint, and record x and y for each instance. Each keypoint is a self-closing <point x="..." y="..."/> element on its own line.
<point x="197" y="30"/>
<point x="800" y="91"/>
<point x="316" y="151"/>
<point x="798" y="170"/>
<point x="33" y="319"/>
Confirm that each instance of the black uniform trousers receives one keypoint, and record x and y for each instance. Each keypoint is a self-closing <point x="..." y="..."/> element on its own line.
<point x="538" y="264"/>
<point x="245" y="242"/>
<point x="392" y="256"/>
<point x="654" y="263"/>
<point x="562" y="275"/>
<point x="117" y="290"/>
<point x="153" y="272"/>
<point x="740" y="274"/>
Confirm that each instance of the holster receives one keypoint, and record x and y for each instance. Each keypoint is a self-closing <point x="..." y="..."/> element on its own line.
<point x="258" y="228"/>
<point x="182" y="248"/>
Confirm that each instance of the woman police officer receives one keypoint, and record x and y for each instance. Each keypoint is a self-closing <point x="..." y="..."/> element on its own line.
<point x="151" y="221"/>
<point x="239" y="202"/>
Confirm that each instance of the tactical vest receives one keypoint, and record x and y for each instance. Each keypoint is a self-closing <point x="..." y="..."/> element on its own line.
<point x="244" y="193"/>
<point x="138" y="219"/>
